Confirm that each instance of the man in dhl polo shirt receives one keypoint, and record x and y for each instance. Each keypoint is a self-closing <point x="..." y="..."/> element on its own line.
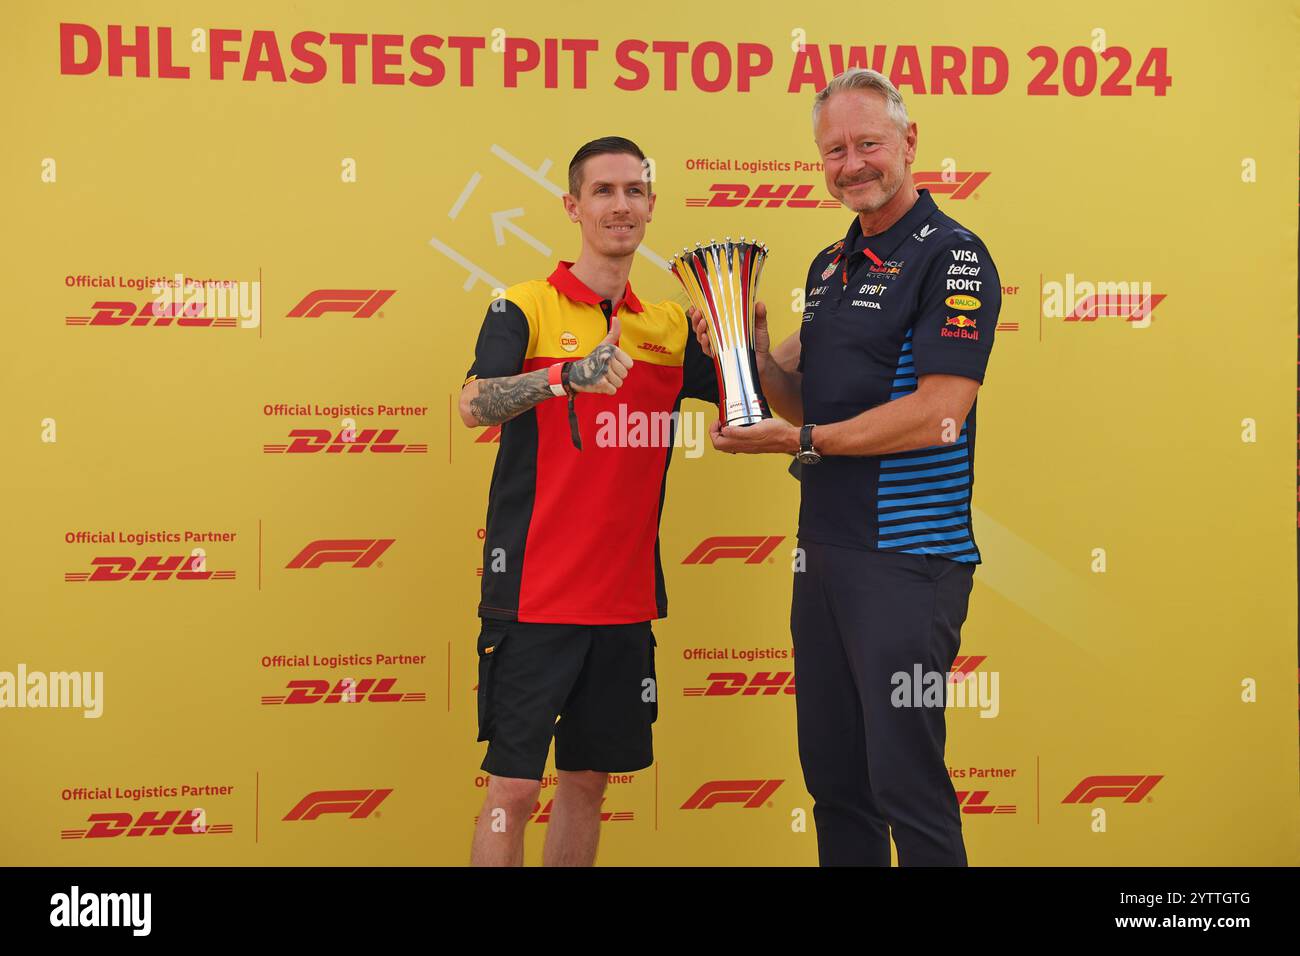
<point x="571" y="571"/>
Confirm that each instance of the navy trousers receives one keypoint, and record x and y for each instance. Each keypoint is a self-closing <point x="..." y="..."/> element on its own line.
<point x="872" y="759"/>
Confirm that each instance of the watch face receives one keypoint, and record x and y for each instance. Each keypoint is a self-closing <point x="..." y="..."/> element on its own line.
<point x="808" y="457"/>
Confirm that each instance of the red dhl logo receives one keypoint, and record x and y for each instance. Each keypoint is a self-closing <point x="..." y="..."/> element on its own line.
<point x="972" y="801"/>
<point x="377" y="690"/>
<point x="794" y="195"/>
<point x="542" y="813"/>
<point x="750" y="793"/>
<point x="177" y="567"/>
<point x="185" y="315"/>
<point x="311" y="440"/>
<point x="357" y="804"/>
<point x="733" y="684"/>
<point x="357" y="552"/>
<point x="961" y="321"/>
<point x="753" y="549"/>
<point x="147" y="823"/>
<point x="361" y="303"/>
<point x="1132" y="787"/>
<point x="653" y="347"/>
<point x="954" y="185"/>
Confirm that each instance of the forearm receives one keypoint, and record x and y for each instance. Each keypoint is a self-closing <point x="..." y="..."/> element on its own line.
<point x="491" y="401"/>
<point x="908" y="423"/>
<point x="783" y="389"/>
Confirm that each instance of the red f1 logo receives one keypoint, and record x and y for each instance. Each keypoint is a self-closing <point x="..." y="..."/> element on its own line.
<point x="1132" y="308"/>
<point x="357" y="804"/>
<point x="362" y="303"/>
<point x="1132" y="787"/>
<point x="753" y="548"/>
<point x="751" y="793"/>
<point x="359" y="552"/>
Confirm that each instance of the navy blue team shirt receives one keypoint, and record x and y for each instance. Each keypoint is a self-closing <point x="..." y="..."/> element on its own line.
<point x="920" y="298"/>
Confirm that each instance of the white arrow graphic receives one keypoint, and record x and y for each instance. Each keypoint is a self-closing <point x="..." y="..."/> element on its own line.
<point x="501" y="222"/>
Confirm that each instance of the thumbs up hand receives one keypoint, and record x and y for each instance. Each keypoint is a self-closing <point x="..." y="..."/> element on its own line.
<point x="605" y="368"/>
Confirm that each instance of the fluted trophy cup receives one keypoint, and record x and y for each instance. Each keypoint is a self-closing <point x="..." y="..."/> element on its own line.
<point x="721" y="279"/>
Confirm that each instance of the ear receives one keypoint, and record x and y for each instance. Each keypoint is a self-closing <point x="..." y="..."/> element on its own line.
<point x="910" y="140"/>
<point x="570" y="206"/>
<point x="650" y="212"/>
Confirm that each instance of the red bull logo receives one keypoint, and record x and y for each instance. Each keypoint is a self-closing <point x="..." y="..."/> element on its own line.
<point x="960" y="327"/>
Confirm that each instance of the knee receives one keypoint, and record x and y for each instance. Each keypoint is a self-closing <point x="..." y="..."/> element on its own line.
<point x="514" y="795"/>
<point x="586" y="784"/>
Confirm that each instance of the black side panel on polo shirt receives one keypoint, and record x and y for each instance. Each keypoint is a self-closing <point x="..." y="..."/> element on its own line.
<point x="502" y="345"/>
<point x="699" y="377"/>
<point x="502" y="342"/>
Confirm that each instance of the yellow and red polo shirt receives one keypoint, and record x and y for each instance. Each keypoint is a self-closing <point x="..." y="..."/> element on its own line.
<point x="573" y="535"/>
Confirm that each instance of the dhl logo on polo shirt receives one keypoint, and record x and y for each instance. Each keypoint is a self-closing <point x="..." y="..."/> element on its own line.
<point x="560" y="327"/>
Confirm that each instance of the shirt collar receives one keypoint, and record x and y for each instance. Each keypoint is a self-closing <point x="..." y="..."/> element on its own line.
<point x="886" y="242"/>
<point x="564" y="280"/>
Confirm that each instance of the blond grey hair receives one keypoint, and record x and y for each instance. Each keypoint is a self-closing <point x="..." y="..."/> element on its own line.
<point x="859" y="78"/>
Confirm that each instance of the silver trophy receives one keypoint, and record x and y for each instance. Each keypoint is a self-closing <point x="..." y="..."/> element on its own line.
<point x="721" y="279"/>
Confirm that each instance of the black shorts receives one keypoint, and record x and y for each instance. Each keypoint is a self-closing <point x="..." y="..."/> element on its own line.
<point x="598" y="680"/>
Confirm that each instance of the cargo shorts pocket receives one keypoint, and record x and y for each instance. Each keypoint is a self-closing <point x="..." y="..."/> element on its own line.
<point x="490" y="641"/>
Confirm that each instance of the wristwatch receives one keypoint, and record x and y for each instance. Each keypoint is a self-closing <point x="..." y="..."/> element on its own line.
<point x="807" y="454"/>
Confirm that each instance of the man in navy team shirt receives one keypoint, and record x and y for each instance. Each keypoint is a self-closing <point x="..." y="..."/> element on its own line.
<point x="878" y="394"/>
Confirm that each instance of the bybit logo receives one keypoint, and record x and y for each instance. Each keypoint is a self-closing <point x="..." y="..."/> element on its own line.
<point x="753" y="549"/>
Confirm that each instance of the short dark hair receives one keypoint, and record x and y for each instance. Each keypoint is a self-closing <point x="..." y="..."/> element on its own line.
<point x="598" y="147"/>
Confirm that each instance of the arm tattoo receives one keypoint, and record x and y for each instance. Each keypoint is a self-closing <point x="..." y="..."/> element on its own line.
<point x="501" y="399"/>
<point x="590" y="370"/>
